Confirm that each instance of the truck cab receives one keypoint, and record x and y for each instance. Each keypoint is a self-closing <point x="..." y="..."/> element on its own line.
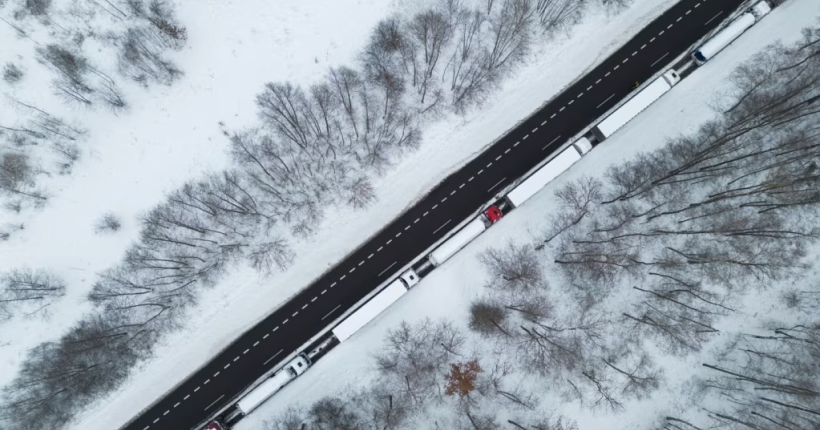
<point x="298" y="365"/>
<point x="214" y="425"/>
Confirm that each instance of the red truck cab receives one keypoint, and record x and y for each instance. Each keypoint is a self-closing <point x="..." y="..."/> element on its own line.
<point x="493" y="214"/>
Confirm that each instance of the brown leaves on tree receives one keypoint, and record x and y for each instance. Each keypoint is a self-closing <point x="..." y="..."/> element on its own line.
<point x="461" y="379"/>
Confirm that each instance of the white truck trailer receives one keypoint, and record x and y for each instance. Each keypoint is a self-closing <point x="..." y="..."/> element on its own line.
<point x="375" y="306"/>
<point x="636" y="105"/>
<point x="548" y="172"/>
<point x="732" y="31"/>
<point x="723" y="38"/>
<point x="265" y="390"/>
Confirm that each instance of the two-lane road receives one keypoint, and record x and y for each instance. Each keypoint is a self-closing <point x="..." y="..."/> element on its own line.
<point x="461" y="194"/>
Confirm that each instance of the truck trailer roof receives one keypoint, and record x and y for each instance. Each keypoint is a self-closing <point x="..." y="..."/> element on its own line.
<point x="633" y="107"/>
<point x="369" y="310"/>
<point x="544" y="175"/>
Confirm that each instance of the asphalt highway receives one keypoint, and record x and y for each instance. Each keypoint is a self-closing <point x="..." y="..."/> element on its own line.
<point x="454" y="199"/>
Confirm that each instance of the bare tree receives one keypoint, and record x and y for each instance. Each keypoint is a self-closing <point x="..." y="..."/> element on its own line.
<point x="11" y="73"/>
<point x="29" y="290"/>
<point x="487" y="317"/>
<point x="515" y="267"/>
<point x="109" y="223"/>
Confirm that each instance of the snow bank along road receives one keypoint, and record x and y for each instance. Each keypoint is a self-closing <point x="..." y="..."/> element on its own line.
<point x="262" y="348"/>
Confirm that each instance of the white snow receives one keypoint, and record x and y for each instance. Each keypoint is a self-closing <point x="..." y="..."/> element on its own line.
<point x="169" y="135"/>
<point x="447" y="291"/>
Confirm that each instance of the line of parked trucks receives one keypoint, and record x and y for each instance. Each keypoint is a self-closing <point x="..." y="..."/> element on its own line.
<point x="533" y="183"/>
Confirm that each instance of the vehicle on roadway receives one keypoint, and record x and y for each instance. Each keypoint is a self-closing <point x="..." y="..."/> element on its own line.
<point x="732" y="31"/>
<point x="636" y="105"/>
<point x="250" y="401"/>
<point x="546" y="173"/>
<point x="451" y="246"/>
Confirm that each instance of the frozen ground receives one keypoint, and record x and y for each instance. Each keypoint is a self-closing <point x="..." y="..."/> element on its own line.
<point x="171" y="134"/>
<point x="454" y="285"/>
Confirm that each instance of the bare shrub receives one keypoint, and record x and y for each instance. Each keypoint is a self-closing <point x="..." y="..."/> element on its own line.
<point x="141" y="58"/>
<point x="37" y="7"/>
<point x="108" y="224"/>
<point x="14" y="171"/>
<point x="11" y="73"/>
<point x="515" y="267"/>
<point x="29" y="290"/>
<point x="487" y="317"/>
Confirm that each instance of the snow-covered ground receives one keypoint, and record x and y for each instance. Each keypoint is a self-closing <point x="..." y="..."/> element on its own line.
<point x="169" y="135"/>
<point x="448" y="290"/>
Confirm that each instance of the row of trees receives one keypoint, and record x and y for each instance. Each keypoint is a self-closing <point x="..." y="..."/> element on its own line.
<point x="32" y="140"/>
<point x="429" y="377"/>
<point x="691" y="229"/>
<point x="316" y="148"/>
<point x="37" y="144"/>
<point x="570" y="340"/>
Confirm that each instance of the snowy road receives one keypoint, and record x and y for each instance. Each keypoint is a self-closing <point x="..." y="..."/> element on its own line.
<point x="456" y="198"/>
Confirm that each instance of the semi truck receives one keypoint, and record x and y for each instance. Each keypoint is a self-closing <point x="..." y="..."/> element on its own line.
<point x="636" y="105"/>
<point x="295" y="367"/>
<point x="375" y="306"/>
<point x="548" y="172"/>
<point x="731" y="32"/>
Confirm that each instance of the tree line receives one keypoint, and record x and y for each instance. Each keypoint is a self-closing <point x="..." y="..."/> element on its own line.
<point x="315" y="149"/>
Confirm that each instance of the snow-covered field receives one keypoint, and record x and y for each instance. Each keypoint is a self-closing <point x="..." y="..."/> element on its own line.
<point x="448" y="290"/>
<point x="168" y="135"/>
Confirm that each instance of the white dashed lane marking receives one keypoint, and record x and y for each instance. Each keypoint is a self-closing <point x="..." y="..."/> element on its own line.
<point x="713" y="18"/>
<point x="588" y="88"/>
<point x="362" y="262"/>
<point x="607" y="74"/>
<point x="562" y="109"/>
<point x="389" y="242"/>
<point x="658" y="60"/>
<point x="480" y="172"/>
<point x="644" y="46"/>
<point x="345" y="276"/>
<point x="525" y="137"/>
<point x="670" y="25"/>
<point x="497" y="158"/>
<point x="328" y="314"/>
<point x="273" y="356"/>
<point x="535" y="129"/>
<point x="333" y="284"/>
<point x="651" y="40"/>
<point x="597" y="82"/>
<point x="207" y="381"/>
<point x="425" y="214"/>
<point x="285" y="321"/>
<point x="246" y="351"/>
<point x="214" y="402"/>
<point x="324" y="291"/>
<point x="542" y="124"/>
<point x="442" y="226"/>
<point x="553" y="116"/>
<point x="388" y="268"/>
<point x="313" y="299"/>
<point x="679" y="18"/>
<point x="454" y="191"/>
<point x="197" y="389"/>
<point x="516" y="143"/>
<point x="602" y="103"/>
<point x="570" y="102"/>
<point x="227" y="366"/>
<point x="616" y="67"/>
<point x="497" y="183"/>
<point x="551" y="141"/>
<point x="186" y="397"/>
<point x="661" y="33"/>
<point x="505" y="151"/>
